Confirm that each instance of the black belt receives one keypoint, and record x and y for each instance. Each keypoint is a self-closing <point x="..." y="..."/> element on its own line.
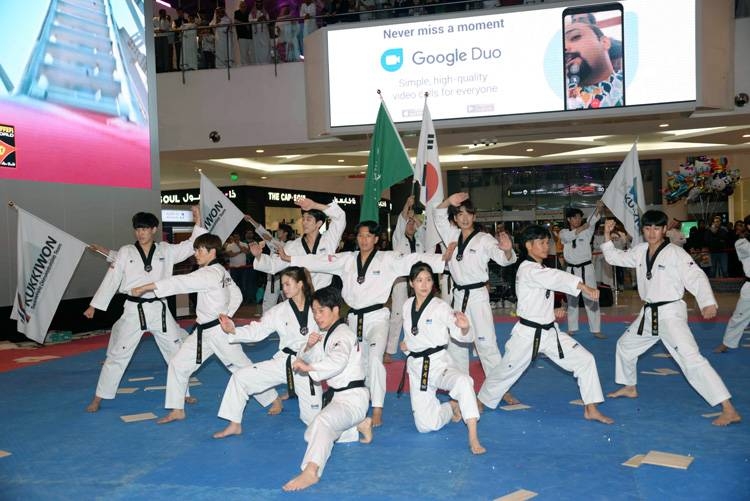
<point x="425" y="356"/>
<point x="654" y="316"/>
<point x="290" y="375"/>
<point x="142" y="316"/>
<point x="272" y="279"/>
<point x="538" y="336"/>
<point x="466" y="289"/>
<point x="199" y="345"/>
<point x="328" y="394"/>
<point x="361" y="316"/>
<point x="582" y="266"/>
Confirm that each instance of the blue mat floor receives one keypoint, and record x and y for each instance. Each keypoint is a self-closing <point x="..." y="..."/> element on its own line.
<point x="61" y="452"/>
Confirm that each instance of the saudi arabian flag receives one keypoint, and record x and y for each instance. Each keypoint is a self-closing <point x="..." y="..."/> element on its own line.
<point x="387" y="164"/>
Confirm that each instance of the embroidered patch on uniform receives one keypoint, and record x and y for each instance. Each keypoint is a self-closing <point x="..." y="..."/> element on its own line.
<point x="480" y="338"/>
<point x="661" y="266"/>
<point x="161" y="259"/>
<point x="472" y="251"/>
<point x="322" y="250"/>
<point x="428" y="321"/>
<point x="575" y="346"/>
<point x="376" y="272"/>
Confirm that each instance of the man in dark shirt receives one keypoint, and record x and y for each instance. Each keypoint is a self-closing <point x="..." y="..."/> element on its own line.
<point x="244" y="33"/>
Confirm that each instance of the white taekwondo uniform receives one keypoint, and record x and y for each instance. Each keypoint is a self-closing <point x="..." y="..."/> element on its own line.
<point x="741" y="316"/>
<point x="662" y="287"/>
<point x="365" y="296"/>
<point x="140" y="314"/>
<point x="217" y="293"/>
<point x="427" y="353"/>
<point x="470" y="295"/>
<point x="577" y="254"/>
<point x="535" y="286"/>
<point x="399" y="295"/>
<point x="293" y="327"/>
<point x="326" y="243"/>
<point x="341" y="366"/>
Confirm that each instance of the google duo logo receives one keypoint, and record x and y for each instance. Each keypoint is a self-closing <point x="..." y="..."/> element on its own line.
<point x="392" y="59"/>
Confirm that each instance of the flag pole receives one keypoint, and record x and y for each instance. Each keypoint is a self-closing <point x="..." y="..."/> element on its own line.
<point x="13" y="205"/>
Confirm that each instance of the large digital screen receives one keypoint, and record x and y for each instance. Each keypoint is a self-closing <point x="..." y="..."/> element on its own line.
<point x="74" y="93"/>
<point x="605" y="55"/>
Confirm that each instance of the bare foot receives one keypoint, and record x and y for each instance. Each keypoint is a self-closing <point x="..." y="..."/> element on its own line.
<point x="377" y="416"/>
<point x="722" y="348"/>
<point x="599" y="335"/>
<point x="304" y="480"/>
<point x="510" y="399"/>
<point x="365" y="428"/>
<point x="456" y="411"/>
<point x="592" y="413"/>
<point x="191" y="400"/>
<point x="232" y="429"/>
<point x="727" y="417"/>
<point x="476" y="447"/>
<point x="276" y="407"/>
<point x="480" y="406"/>
<point x="285" y="396"/>
<point x="94" y="405"/>
<point x="174" y="415"/>
<point x="625" y="391"/>
<point x="387" y="358"/>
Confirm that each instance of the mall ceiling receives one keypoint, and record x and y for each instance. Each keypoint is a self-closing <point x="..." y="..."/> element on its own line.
<point x="541" y="143"/>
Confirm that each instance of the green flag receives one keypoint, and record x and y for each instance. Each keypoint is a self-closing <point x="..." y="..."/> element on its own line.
<point x="387" y="164"/>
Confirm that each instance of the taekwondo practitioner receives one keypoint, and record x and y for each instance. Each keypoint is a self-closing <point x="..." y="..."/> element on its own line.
<point x="311" y="241"/>
<point x="217" y="294"/>
<point x="135" y="264"/>
<point x="293" y="321"/>
<point x="664" y="271"/>
<point x="408" y="238"/>
<point x="454" y="219"/>
<point x="536" y="331"/>
<point x="429" y="324"/>
<point x="344" y="413"/>
<point x="741" y="315"/>
<point x="577" y="253"/>
<point x="273" y="293"/>
<point x="368" y="277"/>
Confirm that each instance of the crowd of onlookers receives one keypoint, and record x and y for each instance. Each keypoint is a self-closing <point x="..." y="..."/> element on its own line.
<point x="257" y="33"/>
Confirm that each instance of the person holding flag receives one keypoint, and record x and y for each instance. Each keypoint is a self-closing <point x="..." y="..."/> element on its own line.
<point x="408" y="238"/>
<point x="136" y="264"/>
<point x="577" y="253"/>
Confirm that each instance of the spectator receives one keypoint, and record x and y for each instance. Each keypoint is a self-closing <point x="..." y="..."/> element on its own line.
<point x="717" y="240"/>
<point x="224" y="40"/>
<point x="262" y="34"/>
<point x="244" y="34"/>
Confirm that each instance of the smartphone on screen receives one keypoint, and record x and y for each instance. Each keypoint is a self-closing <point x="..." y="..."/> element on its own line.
<point x="593" y="56"/>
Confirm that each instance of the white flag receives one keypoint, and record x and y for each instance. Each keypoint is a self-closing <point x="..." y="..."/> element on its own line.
<point x="47" y="258"/>
<point x="625" y="197"/>
<point x="220" y="215"/>
<point x="427" y="173"/>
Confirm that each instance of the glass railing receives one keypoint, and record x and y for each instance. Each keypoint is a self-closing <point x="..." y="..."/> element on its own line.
<point x="276" y="41"/>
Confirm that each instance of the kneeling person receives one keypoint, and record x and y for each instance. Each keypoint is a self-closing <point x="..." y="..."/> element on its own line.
<point x="342" y="367"/>
<point x="429" y="325"/>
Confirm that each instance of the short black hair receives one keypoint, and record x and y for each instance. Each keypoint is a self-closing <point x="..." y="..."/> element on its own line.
<point x="453" y="210"/>
<point x="287" y="229"/>
<point x="372" y="226"/>
<point x="208" y="242"/>
<point x="572" y="212"/>
<point x="532" y="232"/>
<point x="319" y="215"/>
<point x="654" y="218"/>
<point x="418" y="268"/>
<point x="145" y="220"/>
<point x="328" y="297"/>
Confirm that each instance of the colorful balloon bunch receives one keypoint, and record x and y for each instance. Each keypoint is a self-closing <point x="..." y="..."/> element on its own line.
<point x="700" y="176"/>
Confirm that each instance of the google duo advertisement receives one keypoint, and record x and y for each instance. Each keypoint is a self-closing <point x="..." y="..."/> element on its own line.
<point x="587" y="57"/>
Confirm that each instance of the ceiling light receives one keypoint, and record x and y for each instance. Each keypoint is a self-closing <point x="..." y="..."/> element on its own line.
<point x="745" y="135"/>
<point x="260" y="151"/>
<point x="663" y="125"/>
<point x="341" y="160"/>
<point x="464" y="166"/>
<point x="529" y="150"/>
<point x="361" y="172"/>
<point x="264" y="177"/>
